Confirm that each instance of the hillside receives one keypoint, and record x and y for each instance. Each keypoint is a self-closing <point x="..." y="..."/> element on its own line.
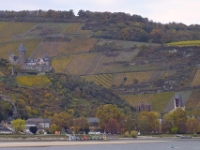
<point x="130" y="71"/>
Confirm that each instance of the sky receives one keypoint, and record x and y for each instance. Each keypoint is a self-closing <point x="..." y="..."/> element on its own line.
<point x="163" y="11"/>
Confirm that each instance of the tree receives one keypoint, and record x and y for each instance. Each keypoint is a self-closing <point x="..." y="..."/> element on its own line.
<point x="54" y="128"/>
<point x="105" y="112"/>
<point x="134" y="133"/>
<point x="129" y="124"/>
<point x="176" y="119"/>
<point x="192" y="125"/>
<point x="80" y="124"/>
<point x="168" y="121"/>
<point x="33" y="130"/>
<point x="18" y="125"/>
<point x="62" y="120"/>
<point x="112" y="126"/>
<point x="148" y="122"/>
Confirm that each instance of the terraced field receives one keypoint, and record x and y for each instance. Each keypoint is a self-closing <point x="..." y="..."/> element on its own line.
<point x="114" y="68"/>
<point x="46" y="29"/>
<point x="196" y="79"/>
<point x="133" y="100"/>
<point x="131" y="78"/>
<point x="9" y="30"/>
<point x="124" y="44"/>
<point x="194" y="100"/>
<point x="105" y="79"/>
<point x="32" y="80"/>
<point x="81" y="64"/>
<point x="139" y="76"/>
<point x="12" y="46"/>
<point x="76" y="45"/>
<point x="60" y="63"/>
<point x="160" y="101"/>
<point x="127" y="56"/>
<point x="195" y="112"/>
<point x="185" y="43"/>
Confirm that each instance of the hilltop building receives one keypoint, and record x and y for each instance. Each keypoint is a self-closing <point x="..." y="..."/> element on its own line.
<point x="178" y="103"/>
<point x="31" y="65"/>
<point x="143" y="107"/>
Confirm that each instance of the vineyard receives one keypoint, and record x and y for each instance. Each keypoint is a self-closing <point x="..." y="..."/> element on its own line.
<point x="127" y="56"/>
<point x="76" y="45"/>
<point x="105" y="79"/>
<point x="60" y="63"/>
<point x="196" y="79"/>
<point x="75" y="28"/>
<point x="124" y="44"/>
<point x="81" y="64"/>
<point x="46" y="29"/>
<point x="133" y="100"/>
<point x="10" y="29"/>
<point x="32" y="80"/>
<point x="13" y="46"/>
<point x="160" y="101"/>
<point x="185" y="43"/>
<point x="194" y="101"/>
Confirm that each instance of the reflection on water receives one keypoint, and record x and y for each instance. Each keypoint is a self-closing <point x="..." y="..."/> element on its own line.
<point x="182" y="144"/>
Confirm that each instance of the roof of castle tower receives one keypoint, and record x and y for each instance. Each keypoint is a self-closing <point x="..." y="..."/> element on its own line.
<point x="21" y="48"/>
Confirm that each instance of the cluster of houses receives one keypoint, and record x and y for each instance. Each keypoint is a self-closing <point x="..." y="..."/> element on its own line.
<point x="41" y="124"/>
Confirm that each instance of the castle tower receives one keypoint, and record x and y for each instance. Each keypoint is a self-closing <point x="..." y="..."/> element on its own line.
<point x="21" y="54"/>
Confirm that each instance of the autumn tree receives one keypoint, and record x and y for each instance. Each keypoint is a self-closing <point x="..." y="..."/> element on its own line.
<point x="192" y="125"/>
<point x="62" y="119"/>
<point x="108" y="111"/>
<point x="18" y="125"/>
<point x="80" y="124"/>
<point x="112" y="126"/>
<point x="176" y="119"/>
<point x="148" y="122"/>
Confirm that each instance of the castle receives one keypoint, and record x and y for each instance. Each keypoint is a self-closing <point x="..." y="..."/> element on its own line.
<point x="39" y="65"/>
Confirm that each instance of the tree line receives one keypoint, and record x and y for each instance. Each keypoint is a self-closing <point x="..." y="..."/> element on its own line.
<point x="113" y="120"/>
<point x="117" y="25"/>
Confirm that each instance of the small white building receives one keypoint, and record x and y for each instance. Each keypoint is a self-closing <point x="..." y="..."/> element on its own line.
<point x="40" y="123"/>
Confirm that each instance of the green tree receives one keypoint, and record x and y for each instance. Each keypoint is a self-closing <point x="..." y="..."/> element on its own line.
<point x="148" y="122"/>
<point x="54" y="128"/>
<point x="134" y="133"/>
<point x="176" y="119"/>
<point x="18" y="125"/>
<point x="105" y="112"/>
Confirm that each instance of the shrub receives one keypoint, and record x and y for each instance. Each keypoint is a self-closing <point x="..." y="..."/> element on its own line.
<point x="174" y="130"/>
<point x="126" y="134"/>
<point x="134" y="134"/>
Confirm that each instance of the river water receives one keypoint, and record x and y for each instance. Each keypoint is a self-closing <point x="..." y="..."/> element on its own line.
<point x="162" y="144"/>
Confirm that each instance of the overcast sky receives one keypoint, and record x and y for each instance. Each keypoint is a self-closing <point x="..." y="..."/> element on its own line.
<point x="164" y="11"/>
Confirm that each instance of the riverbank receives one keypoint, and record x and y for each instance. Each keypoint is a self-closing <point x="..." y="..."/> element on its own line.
<point x="71" y="143"/>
